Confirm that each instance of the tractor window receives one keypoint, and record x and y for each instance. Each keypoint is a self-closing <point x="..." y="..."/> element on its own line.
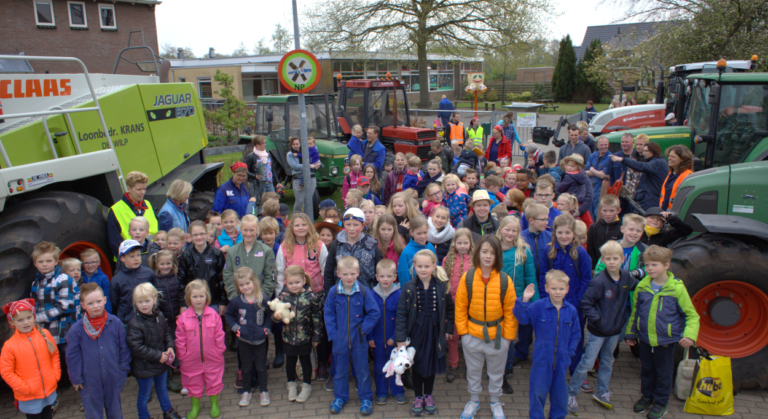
<point x="317" y="121"/>
<point x="354" y="106"/>
<point x="276" y="128"/>
<point x="700" y="116"/>
<point x="381" y="104"/>
<point x="741" y="112"/>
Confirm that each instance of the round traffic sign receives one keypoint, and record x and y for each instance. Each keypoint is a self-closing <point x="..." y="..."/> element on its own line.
<point x="299" y="71"/>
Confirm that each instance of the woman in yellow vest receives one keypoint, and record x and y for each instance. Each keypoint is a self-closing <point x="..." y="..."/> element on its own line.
<point x="475" y="132"/>
<point x="131" y="205"/>
<point x="680" y="162"/>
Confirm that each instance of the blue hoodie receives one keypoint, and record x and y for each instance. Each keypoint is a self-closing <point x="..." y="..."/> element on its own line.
<point x="406" y="258"/>
<point x="100" y="278"/>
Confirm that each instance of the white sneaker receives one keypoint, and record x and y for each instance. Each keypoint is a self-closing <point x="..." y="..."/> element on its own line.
<point x="470" y="409"/>
<point x="245" y="399"/>
<point x="498" y="410"/>
<point x="573" y="407"/>
<point x="184" y="392"/>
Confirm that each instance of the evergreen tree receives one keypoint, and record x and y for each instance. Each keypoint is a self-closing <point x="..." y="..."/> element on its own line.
<point x="590" y="84"/>
<point x="564" y="78"/>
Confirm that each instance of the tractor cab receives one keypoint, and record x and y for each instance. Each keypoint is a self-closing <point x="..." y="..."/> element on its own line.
<point x="382" y="103"/>
<point x="729" y="118"/>
<point x="278" y="119"/>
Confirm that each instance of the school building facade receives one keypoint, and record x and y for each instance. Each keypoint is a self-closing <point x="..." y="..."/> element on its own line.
<point x="257" y="75"/>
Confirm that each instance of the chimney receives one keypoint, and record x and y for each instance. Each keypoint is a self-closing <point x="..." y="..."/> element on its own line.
<point x="180" y="53"/>
<point x="211" y="53"/>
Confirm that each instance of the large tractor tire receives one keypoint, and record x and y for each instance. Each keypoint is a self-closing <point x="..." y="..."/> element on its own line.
<point x="726" y="278"/>
<point x="199" y="205"/>
<point x="74" y="222"/>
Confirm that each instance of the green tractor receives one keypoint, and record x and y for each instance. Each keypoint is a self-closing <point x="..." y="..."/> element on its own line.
<point x="726" y="120"/>
<point x="65" y="142"/>
<point x="724" y="264"/>
<point x="277" y="118"/>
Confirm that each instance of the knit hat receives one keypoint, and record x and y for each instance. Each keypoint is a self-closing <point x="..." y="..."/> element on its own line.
<point x="14" y="307"/>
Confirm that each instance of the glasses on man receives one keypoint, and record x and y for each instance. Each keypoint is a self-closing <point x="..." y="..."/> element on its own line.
<point x="544" y="195"/>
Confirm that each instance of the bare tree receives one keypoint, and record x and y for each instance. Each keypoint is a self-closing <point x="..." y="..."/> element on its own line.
<point x="260" y="48"/>
<point x="241" y="50"/>
<point x="406" y="25"/>
<point x="282" y="40"/>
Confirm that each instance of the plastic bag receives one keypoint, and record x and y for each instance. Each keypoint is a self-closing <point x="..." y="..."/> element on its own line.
<point x="712" y="390"/>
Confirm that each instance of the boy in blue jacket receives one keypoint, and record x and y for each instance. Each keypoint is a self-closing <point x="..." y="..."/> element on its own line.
<point x="556" y="325"/>
<point x="351" y="313"/>
<point x="419" y="230"/>
<point x="603" y="307"/>
<point x="92" y="272"/>
<point x="414" y="174"/>
<point x="660" y="299"/>
<point x="382" y="338"/>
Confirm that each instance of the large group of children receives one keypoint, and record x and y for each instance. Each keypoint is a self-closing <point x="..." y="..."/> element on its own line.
<point x="489" y="259"/>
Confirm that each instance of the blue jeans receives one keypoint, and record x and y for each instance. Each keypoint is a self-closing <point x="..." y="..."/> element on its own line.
<point x="595" y="346"/>
<point x="145" y="389"/>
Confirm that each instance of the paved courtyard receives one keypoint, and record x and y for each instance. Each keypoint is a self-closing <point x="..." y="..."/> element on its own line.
<point x="450" y="399"/>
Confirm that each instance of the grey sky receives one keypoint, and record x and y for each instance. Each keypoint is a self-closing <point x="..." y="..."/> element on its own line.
<point x="201" y="24"/>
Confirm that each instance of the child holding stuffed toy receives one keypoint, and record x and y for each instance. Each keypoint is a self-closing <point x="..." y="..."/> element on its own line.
<point x="425" y="317"/>
<point x="248" y="317"/>
<point x="301" y="332"/>
<point x="33" y="375"/>
<point x="382" y="338"/>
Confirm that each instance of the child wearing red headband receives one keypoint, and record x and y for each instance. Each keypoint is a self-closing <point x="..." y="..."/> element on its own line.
<point x="33" y="375"/>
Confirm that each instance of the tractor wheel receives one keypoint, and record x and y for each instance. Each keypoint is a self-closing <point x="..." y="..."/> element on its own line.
<point x="74" y="222"/>
<point x="327" y="192"/>
<point x="725" y="277"/>
<point x="199" y="205"/>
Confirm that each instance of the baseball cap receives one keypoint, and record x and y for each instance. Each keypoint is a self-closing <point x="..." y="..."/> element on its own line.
<point x="363" y="181"/>
<point x="128" y="245"/>
<point x="327" y="203"/>
<point x="354" y="214"/>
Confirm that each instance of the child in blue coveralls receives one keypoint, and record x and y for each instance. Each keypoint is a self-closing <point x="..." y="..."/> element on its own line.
<point x="98" y="356"/>
<point x="566" y="254"/>
<point x="556" y="326"/>
<point x="351" y="313"/>
<point x="382" y="338"/>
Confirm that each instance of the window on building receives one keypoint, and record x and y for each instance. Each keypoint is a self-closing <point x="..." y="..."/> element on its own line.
<point x="182" y="79"/>
<point x="107" y="16"/>
<point x="204" y="87"/>
<point x="271" y="87"/>
<point x="77" y="18"/>
<point x="44" y="13"/>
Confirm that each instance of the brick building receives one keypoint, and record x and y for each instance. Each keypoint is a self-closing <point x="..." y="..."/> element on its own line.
<point x="94" y="32"/>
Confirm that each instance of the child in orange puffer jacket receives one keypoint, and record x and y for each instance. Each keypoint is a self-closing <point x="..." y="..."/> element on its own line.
<point x="32" y="374"/>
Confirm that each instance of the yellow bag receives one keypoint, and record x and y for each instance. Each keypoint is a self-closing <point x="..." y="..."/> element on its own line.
<point x="712" y="390"/>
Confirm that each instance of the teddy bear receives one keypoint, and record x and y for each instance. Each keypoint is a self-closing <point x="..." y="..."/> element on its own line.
<point x="283" y="308"/>
<point x="399" y="360"/>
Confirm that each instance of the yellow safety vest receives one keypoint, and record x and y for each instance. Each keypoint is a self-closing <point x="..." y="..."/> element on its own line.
<point x="124" y="214"/>
<point x="457" y="132"/>
<point x="476" y="135"/>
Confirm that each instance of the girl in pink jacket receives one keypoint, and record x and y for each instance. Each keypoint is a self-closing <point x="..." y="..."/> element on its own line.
<point x="200" y="348"/>
<point x="390" y="243"/>
<point x="456" y="263"/>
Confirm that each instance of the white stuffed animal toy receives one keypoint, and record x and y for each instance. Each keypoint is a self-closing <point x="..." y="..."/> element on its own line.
<point x="283" y="308"/>
<point x="399" y="361"/>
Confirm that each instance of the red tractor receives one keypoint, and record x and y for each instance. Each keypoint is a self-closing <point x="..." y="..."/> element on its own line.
<point x="382" y="103"/>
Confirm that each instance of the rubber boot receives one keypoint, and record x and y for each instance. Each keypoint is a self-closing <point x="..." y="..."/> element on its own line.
<point x="195" y="410"/>
<point x="279" y="358"/>
<point x="173" y="386"/>
<point x="215" y="411"/>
